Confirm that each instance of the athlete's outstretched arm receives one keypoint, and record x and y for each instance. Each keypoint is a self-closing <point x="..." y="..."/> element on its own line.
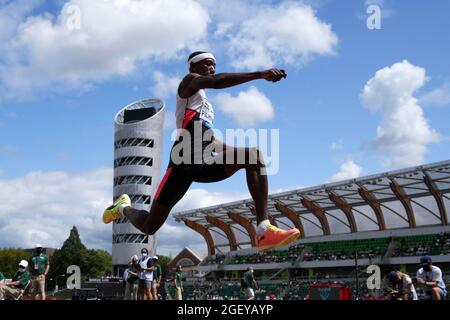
<point x="226" y="80"/>
<point x="220" y="146"/>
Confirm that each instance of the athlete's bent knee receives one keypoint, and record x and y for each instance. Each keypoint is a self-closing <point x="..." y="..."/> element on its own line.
<point x="157" y="217"/>
<point x="149" y="230"/>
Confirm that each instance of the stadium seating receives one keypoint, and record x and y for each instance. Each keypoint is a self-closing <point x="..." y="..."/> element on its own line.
<point x="296" y="291"/>
<point x="261" y="257"/>
<point x="216" y="259"/>
<point x="289" y="255"/>
<point x="421" y="245"/>
<point x="343" y="250"/>
<point x="267" y="290"/>
<point x="322" y="251"/>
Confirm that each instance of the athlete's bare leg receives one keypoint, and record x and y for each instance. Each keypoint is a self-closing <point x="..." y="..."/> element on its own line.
<point x="147" y="222"/>
<point x="257" y="184"/>
<point x="256" y="178"/>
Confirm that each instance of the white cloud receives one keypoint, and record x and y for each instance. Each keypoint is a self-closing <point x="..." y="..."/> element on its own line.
<point x="348" y="170"/>
<point x="438" y="97"/>
<point x="12" y="14"/>
<point x="46" y="52"/>
<point x="248" y="108"/>
<point x="164" y="86"/>
<point x="43" y="206"/>
<point x="199" y="198"/>
<point x="286" y="189"/>
<point x="232" y="11"/>
<point x="174" y="236"/>
<point x="404" y="133"/>
<point x="222" y="29"/>
<point x="289" y="33"/>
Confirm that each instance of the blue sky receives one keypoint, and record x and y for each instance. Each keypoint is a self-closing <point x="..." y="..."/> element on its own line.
<point x="59" y="93"/>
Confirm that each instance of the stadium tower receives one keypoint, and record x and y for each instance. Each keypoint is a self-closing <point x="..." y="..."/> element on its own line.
<point x="138" y="148"/>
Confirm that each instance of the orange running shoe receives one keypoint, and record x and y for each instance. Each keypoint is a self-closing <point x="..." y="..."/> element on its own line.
<point x="274" y="238"/>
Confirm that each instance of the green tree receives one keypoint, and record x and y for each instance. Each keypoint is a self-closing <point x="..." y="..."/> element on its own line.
<point x="73" y="252"/>
<point x="164" y="261"/>
<point x="92" y="263"/>
<point x="9" y="260"/>
<point x="98" y="263"/>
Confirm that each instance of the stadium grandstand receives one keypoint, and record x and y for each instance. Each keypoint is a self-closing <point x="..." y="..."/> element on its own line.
<point x="389" y="220"/>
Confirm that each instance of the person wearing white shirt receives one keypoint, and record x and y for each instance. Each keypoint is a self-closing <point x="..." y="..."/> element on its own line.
<point x="430" y="277"/>
<point x="145" y="276"/>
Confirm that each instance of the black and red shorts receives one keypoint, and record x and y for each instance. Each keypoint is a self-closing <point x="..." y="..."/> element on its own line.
<point x="179" y="177"/>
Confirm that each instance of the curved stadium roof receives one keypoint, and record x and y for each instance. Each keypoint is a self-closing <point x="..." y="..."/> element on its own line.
<point x="408" y="198"/>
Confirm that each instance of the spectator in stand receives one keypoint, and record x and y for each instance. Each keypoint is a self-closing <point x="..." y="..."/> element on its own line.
<point x="39" y="267"/>
<point x="13" y="289"/>
<point x="430" y="277"/>
<point x="2" y="277"/>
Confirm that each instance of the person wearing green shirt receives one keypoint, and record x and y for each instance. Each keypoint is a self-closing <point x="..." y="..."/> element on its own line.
<point x="178" y="284"/>
<point x="2" y="277"/>
<point x="13" y="289"/>
<point x="39" y="267"/>
<point x="157" y="275"/>
<point x="249" y="284"/>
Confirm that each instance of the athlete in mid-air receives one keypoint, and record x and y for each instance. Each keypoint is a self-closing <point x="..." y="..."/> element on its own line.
<point x="194" y="114"/>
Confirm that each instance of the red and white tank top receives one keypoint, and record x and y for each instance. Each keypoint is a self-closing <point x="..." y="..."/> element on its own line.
<point x="188" y="109"/>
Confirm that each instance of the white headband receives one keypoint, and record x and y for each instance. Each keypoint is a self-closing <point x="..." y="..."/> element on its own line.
<point x="201" y="57"/>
